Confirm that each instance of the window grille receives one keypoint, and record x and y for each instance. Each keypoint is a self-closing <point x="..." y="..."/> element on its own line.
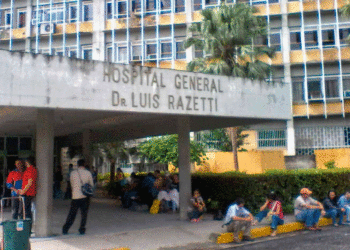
<point x="271" y="138"/>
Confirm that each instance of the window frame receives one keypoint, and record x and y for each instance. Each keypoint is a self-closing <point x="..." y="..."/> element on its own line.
<point x="19" y="12"/>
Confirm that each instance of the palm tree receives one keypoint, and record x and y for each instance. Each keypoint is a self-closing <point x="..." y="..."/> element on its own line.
<point x="227" y="35"/>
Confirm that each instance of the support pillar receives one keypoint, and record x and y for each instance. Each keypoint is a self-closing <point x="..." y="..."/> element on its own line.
<point x="44" y="163"/>
<point x="98" y="37"/>
<point x="87" y="147"/>
<point x="184" y="165"/>
<point x="290" y="138"/>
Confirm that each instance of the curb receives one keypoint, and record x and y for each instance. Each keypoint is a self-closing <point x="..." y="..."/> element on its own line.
<point x="266" y="231"/>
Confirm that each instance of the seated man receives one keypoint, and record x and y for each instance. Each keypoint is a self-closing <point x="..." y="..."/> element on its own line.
<point x="344" y="204"/>
<point x="239" y="219"/>
<point x="308" y="210"/>
<point x="332" y="208"/>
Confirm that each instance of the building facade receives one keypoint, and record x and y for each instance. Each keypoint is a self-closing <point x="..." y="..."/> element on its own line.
<point x="309" y="36"/>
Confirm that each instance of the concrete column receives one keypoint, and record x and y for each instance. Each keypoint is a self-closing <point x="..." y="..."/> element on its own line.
<point x="285" y="42"/>
<point x="189" y="19"/>
<point x="28" y="44"/>
<point x="98" y="37"/>
<point x="44" y="162"/>
<point x="87" y="147"/>
<point x="184" y="165"/>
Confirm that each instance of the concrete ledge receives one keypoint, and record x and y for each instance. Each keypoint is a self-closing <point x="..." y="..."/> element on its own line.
<point x="266" y="231"/>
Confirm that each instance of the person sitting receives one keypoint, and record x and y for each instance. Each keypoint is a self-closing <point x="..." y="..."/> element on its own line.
<point x="131" y="191"/>
<point x="273" y="210"/>
<point x="164" y="198"/>
<point x="198" y="207"/>
<point x="330" y="204"/>
<point x="147" y="190"/>
<point x="308" y="210"/>
<point x="344" y="204"/>
<point x="238" y="219"/>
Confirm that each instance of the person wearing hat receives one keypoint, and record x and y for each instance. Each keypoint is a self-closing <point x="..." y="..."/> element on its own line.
<point x="344" y="204"/>
<point x="308" y="210"/>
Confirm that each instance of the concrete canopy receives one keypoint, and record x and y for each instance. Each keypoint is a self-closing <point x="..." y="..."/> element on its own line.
<point x="52" y="96"/>
<point x="125" y="101"/>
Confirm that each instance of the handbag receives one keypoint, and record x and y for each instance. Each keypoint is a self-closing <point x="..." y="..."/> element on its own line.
<point x="269" y="217"/>
<point x="86" y="188"/>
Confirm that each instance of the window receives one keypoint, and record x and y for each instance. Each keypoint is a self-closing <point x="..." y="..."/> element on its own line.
<point x="346" y="87"/>
<point x="12" y="145"/>
<point x="59" y="52"/>
<point x="166" y="50"/>
<point x="295" y="41"/>
<point x="197" y="4"/>
<point x="298" y="90"/>
<point x="314" y="89"/>
<point x="136" y="53"/>
<point x="73" y="13"/>
<point x="87" y="53"/>
<point x="151" y="51"/>
<point x="332" y="89"/>
<point x="311" y="39"/>
<point x="21" y="20"/>
<point x="88" y="12"/>
<point x="109" y="54"/>
<point x="109" y="11"/>
<point x="25" y="143"/>
<point x="198" y="52"/>
<point x="275" y="41"/>
<point x="122" y="52"/>
<point x="122" y="10"/>
<point x="151" y="5"/>
<point x="271" y="138"/>
<point x="328" y="37"/>
<point x="261" y="41"/>
<point x="7" y="19"/>
<point x="2" y="143"/>
<point x="343" y="35"/>
<point x="180" y="6"/>
<point x="180" y="50"/>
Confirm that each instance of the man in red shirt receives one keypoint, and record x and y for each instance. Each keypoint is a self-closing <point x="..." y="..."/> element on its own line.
<point x="14" y="182"/>
<point x="30" y="176"/>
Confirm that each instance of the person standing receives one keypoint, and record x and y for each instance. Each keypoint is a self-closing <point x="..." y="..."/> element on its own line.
<point x="68" y="194"/>
<point x="79" y="200"/>
<point x="14" y="183"/>
<point x="28" y="190"/>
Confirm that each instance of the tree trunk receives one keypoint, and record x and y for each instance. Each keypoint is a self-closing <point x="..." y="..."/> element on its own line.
<point x="112" y="168"/>
<point x="232" y="131"/>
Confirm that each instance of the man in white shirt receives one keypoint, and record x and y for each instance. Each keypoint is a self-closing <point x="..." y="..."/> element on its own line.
<point x="79" y="200"/>
<point x="239" y="219"/>
<point x="308" y="210"/>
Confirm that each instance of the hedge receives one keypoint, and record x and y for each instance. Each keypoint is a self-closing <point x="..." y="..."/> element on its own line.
<point x="226" y="187"/>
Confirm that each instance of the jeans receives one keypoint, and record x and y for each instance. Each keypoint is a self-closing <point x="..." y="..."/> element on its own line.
<point x="275" y="219"/>
<point x="347" y="212"/>
<point x="17" y="209"/>
<point x="83" y="205"/>
<point x="28" y="206"/>
<point x="333" y="214"/>
<point x="309" y="216"/>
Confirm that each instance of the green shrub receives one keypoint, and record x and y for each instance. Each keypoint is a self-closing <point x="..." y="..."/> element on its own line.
<point x="227" y="187"/>
<point x="330" y="165"/>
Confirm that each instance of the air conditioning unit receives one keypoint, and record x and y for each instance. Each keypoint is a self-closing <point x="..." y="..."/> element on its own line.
<point x="152" y="57"/>
<point x="136" y="58"/>
<point x="47" y="28"/>
<point x="347" y="93"/>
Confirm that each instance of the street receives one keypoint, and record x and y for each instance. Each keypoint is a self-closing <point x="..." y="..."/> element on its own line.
<point x="330" y="238"/>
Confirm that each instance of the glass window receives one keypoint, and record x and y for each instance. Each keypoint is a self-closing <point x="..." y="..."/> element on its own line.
<point x="261" y="41"/>
<point x="275" y="41"/>
<point x="21" y="22"/>
<point x="122" y="54"/>
<point x="180" y="6"/>
<point x="109" y="54"/>
<point x="88" y="13"/>
<point x="72" y="53"/>
<point x="87" y="53"/>
<point x="332" y="88"/>
<point x="311" y="39"/>
<point x="12" y="145"/>
<point x="314" y="89"/>
<point x="7" y="18"/>
<point x="298" y="90"/>
<point x="109" y="10"/>
<point x="2" y="143"/>
<point x="73" y="13"/>
<point x="166" y="50"/>
<point x="136" y="53"/>
<point x="343" y="35"/>
<point x="25" y="143"/>
<point x="328" y="37"/>
<point x="122" y="9"/>
<point x="198" y="52"/>
<point x="295" y="41"/>
<point x="151" y="51"/>
<point x="197" y="4"/>
<point x="180" y="50"/>
<point x="151" y="5"/>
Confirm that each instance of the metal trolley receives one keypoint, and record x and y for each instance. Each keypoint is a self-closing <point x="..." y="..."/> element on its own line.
<point x="16" y="233"/>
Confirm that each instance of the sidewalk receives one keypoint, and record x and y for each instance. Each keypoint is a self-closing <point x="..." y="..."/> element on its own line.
<point x="111" y="227"/>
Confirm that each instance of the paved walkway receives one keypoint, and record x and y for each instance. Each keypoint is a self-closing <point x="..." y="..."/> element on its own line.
<point x="110" y="226"/>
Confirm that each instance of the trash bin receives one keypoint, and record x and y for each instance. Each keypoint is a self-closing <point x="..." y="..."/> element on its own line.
<point x="16" y="234"/>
